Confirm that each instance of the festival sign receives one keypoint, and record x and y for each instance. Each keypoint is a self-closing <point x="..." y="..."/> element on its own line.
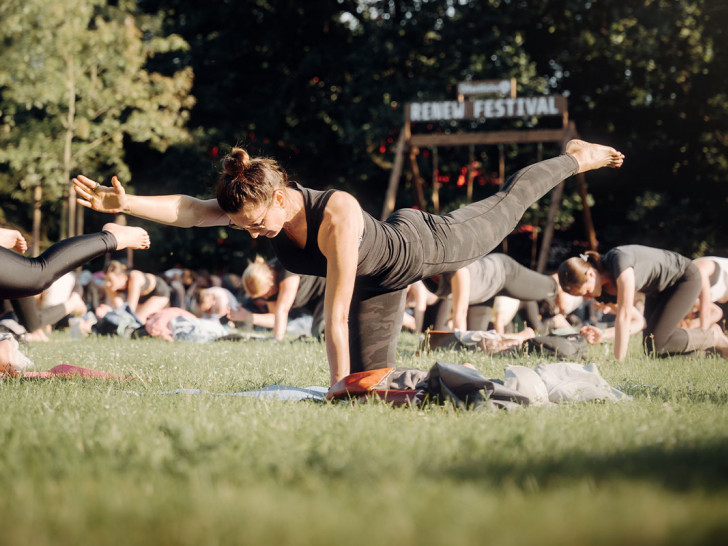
<point x="500" y="88"/>
<point x="484" y="109"/>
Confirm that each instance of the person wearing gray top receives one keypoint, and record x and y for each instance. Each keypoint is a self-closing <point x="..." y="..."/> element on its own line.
<point x="368" y="264"/>
<point x="671" y="283"/>
<point x="473" y="288"/>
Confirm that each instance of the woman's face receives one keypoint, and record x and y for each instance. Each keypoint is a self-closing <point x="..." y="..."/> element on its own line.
<point x="590" y="288"/>
<point x="261" y="220"/>
<point x="116" y="281"/>
<point x="207" y="300"/>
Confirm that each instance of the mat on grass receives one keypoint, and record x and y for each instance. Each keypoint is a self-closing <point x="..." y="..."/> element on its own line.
<point x="66" y="371"/>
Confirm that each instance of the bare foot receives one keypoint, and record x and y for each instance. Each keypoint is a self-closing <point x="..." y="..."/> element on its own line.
<point x="75" y="305"/>
<point x="7" y="356"/>
<point x="37" y="335"/>
<point x="13" y="239"/>
<point x="128" y="236"/>
<point x="523" y="335"/>
<point x="593" y="156"/>
<point x="12" y="360"/>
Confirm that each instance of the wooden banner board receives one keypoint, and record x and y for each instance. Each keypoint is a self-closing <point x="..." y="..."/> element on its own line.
<point x="484" y="109"/>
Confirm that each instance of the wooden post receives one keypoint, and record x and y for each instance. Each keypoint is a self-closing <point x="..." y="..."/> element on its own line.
<point x="501" y="165"/>
<point x="37" y="198"/>
<point x="502" y="178"/>
<point x="435" y="181"/>
<point x="391" y="195"/>
<point x="591" y="234"/>
<point x="417" y="179"/>
<point x="548" y="231"/>
<point x="471" y="160"/>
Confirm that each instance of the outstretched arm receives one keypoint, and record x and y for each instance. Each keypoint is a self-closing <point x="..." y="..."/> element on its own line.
<point x="706" y="268"/>
<point x="287" y="290"/>
<point x="624" y="324"/>
<point x="174" y="210"/>
<point x="338" y="239"/>
<point x="460" y="285"/>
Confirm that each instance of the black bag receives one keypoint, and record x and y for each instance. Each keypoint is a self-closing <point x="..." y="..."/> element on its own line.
<point x="119" y="322"/>
<point x="569" y="347"/>
<point x="467" y="388"/>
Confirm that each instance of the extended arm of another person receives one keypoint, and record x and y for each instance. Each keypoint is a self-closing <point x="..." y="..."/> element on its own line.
<point x="113" y="298"/>
<point x="13" y="239"/>
<point x="174" y="210"/>
<point x="594" y="334"/>
<point x="338" y="238"/>
<point x="133" y="293"/>
<point x="287" y="290"/>
<point x="623" y="322"/>
<point x="422" y="298"/>
<point x="706" y="268"/>
<point x="460" y="286"/>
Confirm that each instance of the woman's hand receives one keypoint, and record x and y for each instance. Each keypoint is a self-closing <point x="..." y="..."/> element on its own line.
<point x="592" y="334"/>
<point x="100" y="198"/>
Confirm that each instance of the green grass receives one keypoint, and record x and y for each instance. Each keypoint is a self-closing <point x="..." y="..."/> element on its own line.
<point x="115" y="462"/>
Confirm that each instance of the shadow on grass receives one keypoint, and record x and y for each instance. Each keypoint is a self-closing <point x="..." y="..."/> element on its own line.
<point x="677" y="468"/>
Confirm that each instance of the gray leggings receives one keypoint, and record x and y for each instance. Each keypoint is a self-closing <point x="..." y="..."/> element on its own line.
<point x="520" y="283"/>
<point x="665" y="311"/>
<point x="445" y="243"/>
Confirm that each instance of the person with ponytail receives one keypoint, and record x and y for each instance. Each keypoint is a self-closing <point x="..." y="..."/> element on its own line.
<point x="368" y="264"/>
<point x="145" y="293"/>
<point x="283" y="291"/>
<point x="670" y="282"/>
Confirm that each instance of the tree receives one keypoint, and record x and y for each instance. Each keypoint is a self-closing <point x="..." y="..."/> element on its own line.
<point x="649" y="77"/>
<point x="74" y="87"/>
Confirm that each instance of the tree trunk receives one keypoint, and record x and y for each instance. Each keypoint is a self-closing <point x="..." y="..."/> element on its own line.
<point x="37" y="199"/>
<point x="67" y="157"/>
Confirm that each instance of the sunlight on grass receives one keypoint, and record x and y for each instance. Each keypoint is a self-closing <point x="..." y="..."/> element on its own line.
<point x="122" y="462"/>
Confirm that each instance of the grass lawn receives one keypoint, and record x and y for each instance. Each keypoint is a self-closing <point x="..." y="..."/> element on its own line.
<point x="118" y="462"/>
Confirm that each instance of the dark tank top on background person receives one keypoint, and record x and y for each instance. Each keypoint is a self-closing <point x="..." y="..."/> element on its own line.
<point x="310" y="288"/>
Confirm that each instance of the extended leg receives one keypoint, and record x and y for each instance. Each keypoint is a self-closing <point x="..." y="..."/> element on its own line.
<point x="21" y="277"/>
<point x="472" y="231"/>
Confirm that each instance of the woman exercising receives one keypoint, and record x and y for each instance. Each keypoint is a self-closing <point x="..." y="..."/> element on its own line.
<point x="671" y="284"/>
<point x="367" y="263"/>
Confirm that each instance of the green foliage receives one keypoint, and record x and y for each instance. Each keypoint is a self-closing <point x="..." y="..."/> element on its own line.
<point x="321" y="86"/>
<point x="648" y="78"/>
<point x="74" y="87"/>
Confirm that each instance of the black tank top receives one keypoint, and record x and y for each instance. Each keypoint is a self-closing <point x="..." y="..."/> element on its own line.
<point x="390" y="253"/>
<point x="307" y="260"/>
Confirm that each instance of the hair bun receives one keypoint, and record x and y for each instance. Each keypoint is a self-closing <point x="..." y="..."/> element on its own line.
<point x="235" y="163"/>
